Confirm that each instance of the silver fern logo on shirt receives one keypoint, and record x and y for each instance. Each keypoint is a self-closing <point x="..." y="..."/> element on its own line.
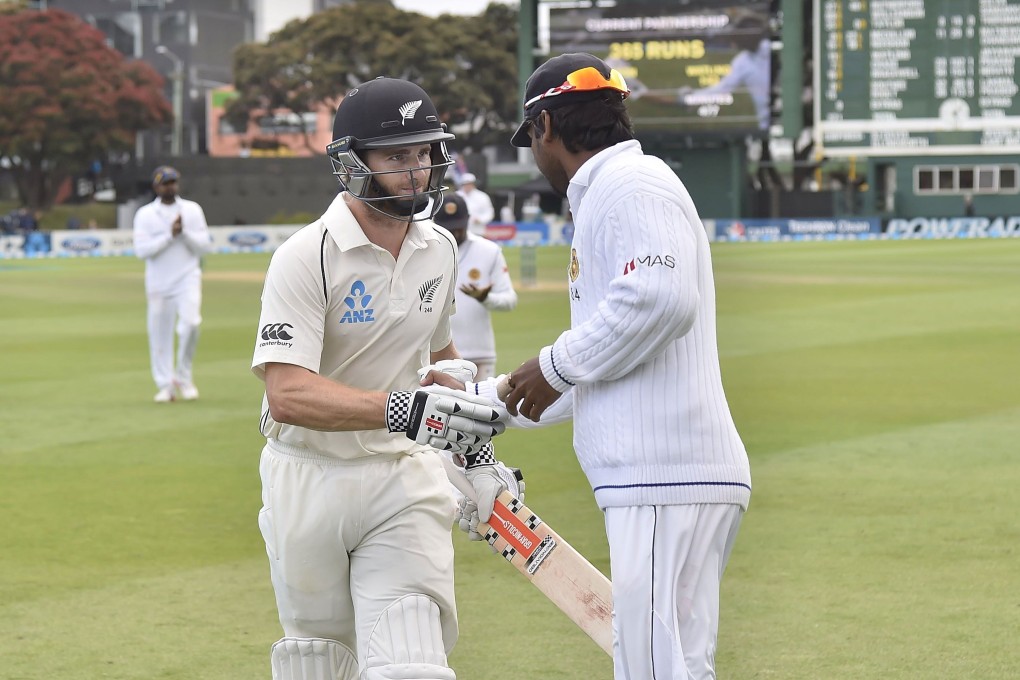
<point x="427" y="293"/>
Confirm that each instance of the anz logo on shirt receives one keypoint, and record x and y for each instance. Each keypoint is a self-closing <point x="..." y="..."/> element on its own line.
<point x="357" y="302"/>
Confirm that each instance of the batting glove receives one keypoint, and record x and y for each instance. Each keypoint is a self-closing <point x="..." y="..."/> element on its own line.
<point x="460" y="369"/>
<point x="445" y="419"/>
<point x="490" y="478"/>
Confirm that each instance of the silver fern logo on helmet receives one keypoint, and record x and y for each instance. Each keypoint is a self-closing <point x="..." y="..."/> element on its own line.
<point x="408" y="110"/>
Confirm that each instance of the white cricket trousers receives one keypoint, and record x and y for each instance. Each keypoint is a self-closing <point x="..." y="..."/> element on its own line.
<point x="346" y="539"/>
<point x="182" y="305"/>
<point x="667" y="563"/>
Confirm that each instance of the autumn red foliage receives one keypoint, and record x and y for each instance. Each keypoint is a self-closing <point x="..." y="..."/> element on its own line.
<point x="67" y="99"/>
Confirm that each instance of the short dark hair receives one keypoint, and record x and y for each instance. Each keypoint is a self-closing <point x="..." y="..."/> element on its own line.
<point x="591" y="125"/>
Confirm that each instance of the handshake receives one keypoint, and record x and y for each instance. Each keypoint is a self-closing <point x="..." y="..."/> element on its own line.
<point x="461" y="424"/>
<point x="445" y="419"/>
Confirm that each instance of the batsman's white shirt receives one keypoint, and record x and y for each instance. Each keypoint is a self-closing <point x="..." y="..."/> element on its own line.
<point x="171" y="262"/>
<point x="481" y="263"/>
<point x="651" y="421"/>
<point x="341" y="306"/>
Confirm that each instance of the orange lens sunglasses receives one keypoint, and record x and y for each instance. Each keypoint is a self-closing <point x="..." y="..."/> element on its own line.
<point x="587" y="79"/>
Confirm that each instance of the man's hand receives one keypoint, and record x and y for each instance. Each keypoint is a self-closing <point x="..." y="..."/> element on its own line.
<point x="530" y="393"/>
<point x="489" y="477"/>
<point x="474" y="291"/>
<point x="444" y="419"/>
<point x="451" y="373"/>
<point x="176" y="227"/>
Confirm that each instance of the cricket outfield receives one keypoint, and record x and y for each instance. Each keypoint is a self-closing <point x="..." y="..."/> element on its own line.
<point x="874" y="383"/>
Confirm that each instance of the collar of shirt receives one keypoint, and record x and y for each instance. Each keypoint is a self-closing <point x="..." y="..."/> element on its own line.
<point x="582" y="179"/>
<point x="160" y="204"/>
<point x="345" y="230"/>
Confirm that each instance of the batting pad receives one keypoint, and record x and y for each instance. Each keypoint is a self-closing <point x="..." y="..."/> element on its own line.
<point x="407" y="643"/>
<point x="312" y="659"/>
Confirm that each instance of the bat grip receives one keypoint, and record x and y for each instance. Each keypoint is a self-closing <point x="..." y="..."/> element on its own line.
<point x="459" y="479"/>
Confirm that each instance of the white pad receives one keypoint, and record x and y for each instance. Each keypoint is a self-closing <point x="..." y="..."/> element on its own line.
<point x="312" y="659"/>
<point x="407" y="643"/>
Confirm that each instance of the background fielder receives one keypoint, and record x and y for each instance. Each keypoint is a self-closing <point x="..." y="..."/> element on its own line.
<point x="171" y="235"/>
<point x="483" y="286"/>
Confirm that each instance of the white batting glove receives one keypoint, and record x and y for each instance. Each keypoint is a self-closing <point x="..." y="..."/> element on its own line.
<point x="445" y="419"/>
<point x="489" y="477"/>
<point x="459" y="369"/>
<point x="488" y="481"/>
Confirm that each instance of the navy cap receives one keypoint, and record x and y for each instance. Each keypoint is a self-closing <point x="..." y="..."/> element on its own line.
<point x="453" y="214"/>
<point x="164" y="174"/>
<point x="549" y="87"/>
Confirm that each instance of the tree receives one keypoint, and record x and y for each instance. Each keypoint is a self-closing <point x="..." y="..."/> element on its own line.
<point x="68" y="100"/>
<point x="468" y="65"/>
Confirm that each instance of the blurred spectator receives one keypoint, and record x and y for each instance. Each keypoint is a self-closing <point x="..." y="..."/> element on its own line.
<point x="483" y="285"/>
<point x="968" y="205"/>
<point x="479" y="204"/>
<point x="27" y="221"/>
<point x="92" y="224"/>
<point x="73" y="223"/>
<point x="9" y="224"/>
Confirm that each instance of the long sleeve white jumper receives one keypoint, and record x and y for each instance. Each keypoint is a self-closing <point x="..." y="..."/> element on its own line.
<point x="651" y="420"/>
<point x="170" y="260"/>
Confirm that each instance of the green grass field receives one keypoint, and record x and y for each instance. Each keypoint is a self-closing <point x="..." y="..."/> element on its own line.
<point x="875" y="385"/>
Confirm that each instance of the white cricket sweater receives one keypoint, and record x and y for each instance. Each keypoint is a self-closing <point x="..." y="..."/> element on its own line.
<point x="480" y="262"/>
<point x="651" y="421"/>
<point x="170" y="260"/>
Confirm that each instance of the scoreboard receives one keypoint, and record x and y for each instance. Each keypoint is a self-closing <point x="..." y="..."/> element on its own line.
<point x="694" y="67"/>
<point x="916" y="77"/>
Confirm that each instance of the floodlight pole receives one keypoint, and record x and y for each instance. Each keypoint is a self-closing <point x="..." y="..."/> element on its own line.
<point x="178" y="99"/>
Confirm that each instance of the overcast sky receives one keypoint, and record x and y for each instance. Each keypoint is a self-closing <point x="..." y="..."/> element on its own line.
<point x="437" y="7"/>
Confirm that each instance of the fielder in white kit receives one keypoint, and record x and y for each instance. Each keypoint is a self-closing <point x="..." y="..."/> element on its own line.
<point x="171" y="235"/>
<point x="356" y="514"/>
<point x="652" y="428"/>
<point x="483" y="286"/>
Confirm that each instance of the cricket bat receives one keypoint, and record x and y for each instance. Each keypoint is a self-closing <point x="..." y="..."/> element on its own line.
<point x="563" y="575"/>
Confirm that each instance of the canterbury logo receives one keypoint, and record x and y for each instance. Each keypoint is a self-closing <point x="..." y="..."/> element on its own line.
<point x="427" y="293"/>
<point x="408" y="110"/>
<point x="276" y="331"/>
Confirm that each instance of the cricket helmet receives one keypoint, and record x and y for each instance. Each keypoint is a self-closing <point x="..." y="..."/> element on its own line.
<point x="382" y="113"/>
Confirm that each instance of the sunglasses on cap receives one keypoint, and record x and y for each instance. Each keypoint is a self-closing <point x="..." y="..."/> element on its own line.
<point x="587" y="79"/>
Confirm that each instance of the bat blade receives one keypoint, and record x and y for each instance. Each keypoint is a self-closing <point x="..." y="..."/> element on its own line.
<point x="541" y="555"/>
<point x="553" y="566"/>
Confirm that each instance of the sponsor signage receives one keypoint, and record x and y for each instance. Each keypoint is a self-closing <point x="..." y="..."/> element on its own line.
<point x="953" y="227"/>
<point x="795" y="229"/>
<point x="89" y="243"/>
<point x="501" y="231"/>
<point x="256" y="238"/>
<point x="519" y="233"/>
<point x="11" y="246"/>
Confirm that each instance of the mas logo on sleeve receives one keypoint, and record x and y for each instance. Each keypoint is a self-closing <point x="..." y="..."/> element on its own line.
<point x="649" y="261"/>
<point x="276" y="334"/>
<point x="357" y="303"/>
